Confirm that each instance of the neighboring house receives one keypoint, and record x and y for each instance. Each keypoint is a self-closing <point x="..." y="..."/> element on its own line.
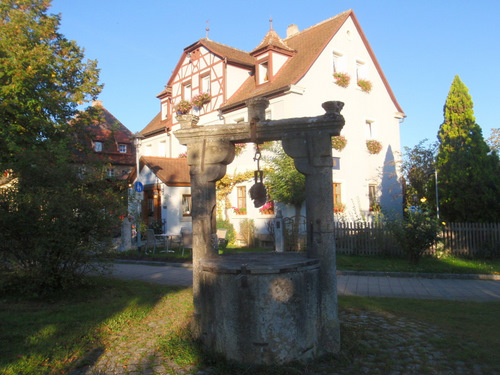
<point x="166" y="199"/>
<point x="112" y="142"/>
<point x="297" y="74"/>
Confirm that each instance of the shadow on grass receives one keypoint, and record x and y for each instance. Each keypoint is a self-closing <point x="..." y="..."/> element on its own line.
<point x="60" y="332"/>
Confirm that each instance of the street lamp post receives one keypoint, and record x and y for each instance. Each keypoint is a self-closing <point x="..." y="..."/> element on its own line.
<point x="137" y="142"/>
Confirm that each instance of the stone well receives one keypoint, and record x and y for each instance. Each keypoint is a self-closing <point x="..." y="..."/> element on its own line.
<point x="261" y="308"/>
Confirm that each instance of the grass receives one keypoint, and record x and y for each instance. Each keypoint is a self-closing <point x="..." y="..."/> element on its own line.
<point x="66" y="331"/>
<point x="428" y="264"/>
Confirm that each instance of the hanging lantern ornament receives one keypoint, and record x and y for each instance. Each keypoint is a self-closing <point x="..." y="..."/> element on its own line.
<point x="258" y="190"/>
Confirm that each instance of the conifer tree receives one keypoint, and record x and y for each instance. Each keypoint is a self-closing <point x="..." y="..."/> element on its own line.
<point x="468" y="174"/>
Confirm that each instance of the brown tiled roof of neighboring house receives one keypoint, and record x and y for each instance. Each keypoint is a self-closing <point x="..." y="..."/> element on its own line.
<point x="111" y="133"/>
<point x="171" y="171"/>
<point x="156" y="125"/>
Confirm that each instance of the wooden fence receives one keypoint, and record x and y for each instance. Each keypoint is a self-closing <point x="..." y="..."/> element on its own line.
<point x="471" y="239"/>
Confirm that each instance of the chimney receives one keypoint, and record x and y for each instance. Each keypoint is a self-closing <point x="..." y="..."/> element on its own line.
<point x="292" y="30"/>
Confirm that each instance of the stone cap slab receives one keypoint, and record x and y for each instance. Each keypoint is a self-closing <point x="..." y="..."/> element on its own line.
<point x="259" y="263"/>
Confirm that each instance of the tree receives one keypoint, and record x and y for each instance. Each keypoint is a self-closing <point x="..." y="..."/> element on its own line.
<point x="285" y="184"/>
<point x="43" y="77"/>
<point x="494" y="140"/>
<point x="55" y="219"/>
<point x="468" y="174"/>
<point x="418" y="169"/>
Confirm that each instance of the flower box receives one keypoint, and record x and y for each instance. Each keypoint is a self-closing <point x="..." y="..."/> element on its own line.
<point x="342" y="79"/>
<point x="365" y="85"/>
<point x="373" y="146"/>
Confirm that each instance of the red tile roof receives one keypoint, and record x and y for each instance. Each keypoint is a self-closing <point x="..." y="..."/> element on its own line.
<point x="171" y="171"/>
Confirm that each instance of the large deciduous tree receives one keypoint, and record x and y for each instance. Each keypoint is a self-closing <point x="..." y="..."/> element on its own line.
<point x="54" y="219"/>
<point x="468" y="174"/>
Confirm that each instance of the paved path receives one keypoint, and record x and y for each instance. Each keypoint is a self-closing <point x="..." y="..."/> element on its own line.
<point x="350" y="284"/>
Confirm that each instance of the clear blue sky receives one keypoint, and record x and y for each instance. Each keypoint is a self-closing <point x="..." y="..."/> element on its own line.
<point x="420" y="45"/>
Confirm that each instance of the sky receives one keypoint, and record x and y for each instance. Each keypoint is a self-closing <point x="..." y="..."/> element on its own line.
<point x="420" y="45"/>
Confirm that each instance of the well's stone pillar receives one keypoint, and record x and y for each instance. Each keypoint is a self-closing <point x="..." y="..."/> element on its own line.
<point x="208" y="160"/>
<point x="312" y="154"/>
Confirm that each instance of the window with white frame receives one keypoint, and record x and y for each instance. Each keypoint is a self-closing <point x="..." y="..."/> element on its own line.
<point x="97" y="146"/>
<point x="338" y="63"/>
<point x="186" y="204"/>
<point x="205" y="83"/>
<point x="122" y="148"/>
<point x="263" y="72"/>
<point x="370" y="129"/>
<point x="111" y="172"/>
<point x="164" y="110"/>
<point x="186" y="91"/>
<point x="361" y="70"/>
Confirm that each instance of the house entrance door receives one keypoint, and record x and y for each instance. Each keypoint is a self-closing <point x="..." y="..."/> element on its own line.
<point x="151" y="210"/>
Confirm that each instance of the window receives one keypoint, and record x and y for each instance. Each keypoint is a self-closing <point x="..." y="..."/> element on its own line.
<point x="372" y="196"/>
<point x="337" y="198"/>
<point x="111" y="172"/>
<point x="242" y="199"/>
<point x="122" y="148"/>
<point x="97" y="146"/>
<point x="186" y="204"/>
<point x="370" y="129"/>
<point x="263" y="72"/>
<point x="338" y="63"/>
<point x="205" y="84"/>
<point x="186" y="94"/>
<point x="164" y="111"/>
<point x="336" y="163"/>
<point x="361" y="70"/>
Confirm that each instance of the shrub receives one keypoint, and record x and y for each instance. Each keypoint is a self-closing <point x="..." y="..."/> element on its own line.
<point x="231" y="233"/>
<point x="416" y="231"/>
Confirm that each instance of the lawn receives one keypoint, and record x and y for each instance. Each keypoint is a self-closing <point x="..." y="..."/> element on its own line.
<point x="63" y="332"/>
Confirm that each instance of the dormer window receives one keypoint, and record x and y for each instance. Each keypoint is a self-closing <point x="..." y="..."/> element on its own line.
<point x="263" y="76"/>
<point x="122" y="148"/>
<point x="98" y="146"/>
<point x="164" y="110"/>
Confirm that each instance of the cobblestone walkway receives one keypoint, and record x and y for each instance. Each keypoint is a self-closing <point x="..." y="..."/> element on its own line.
<point x="384" y="344"/>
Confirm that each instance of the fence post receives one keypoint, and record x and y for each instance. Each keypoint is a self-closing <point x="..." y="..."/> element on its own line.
<point x="279" y="240"/>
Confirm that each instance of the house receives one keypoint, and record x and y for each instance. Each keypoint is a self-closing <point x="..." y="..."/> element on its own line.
<point x="331" y="60"/>
<point x="111" y="142"/>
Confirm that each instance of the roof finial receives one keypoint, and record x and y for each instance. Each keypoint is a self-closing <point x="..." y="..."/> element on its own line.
<point x="208" y="27"/>
<point x="271" y="22"/>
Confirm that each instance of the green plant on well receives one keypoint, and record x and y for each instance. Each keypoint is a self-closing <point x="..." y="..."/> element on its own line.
<point x="339" y="142"/>
<point x="365" y="85"/>
<point x="416" y="231"/>
<point x="342" y="79"/>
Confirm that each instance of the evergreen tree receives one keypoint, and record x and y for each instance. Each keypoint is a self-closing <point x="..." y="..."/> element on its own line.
<point x="468" y="174"/>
